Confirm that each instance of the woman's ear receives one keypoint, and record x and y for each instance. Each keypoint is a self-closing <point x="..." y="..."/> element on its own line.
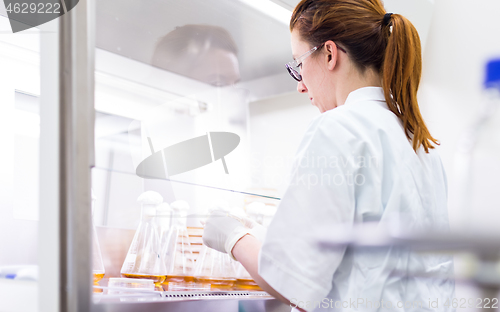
<point x="331" y="54"/>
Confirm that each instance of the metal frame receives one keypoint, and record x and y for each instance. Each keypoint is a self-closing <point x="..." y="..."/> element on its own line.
<point x="224" y="301"/>
<point x="76" y="122"/>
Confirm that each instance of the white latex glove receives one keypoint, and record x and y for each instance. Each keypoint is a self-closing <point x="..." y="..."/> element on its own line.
<point x="256" y="230"/>
<point x="222" y="232"/>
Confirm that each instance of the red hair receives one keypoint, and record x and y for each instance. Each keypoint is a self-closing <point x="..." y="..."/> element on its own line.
<point x="357" y="26"/>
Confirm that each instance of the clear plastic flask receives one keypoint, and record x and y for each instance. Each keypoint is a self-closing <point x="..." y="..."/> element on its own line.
<point x="144" y="259"/>
<point x="214" y="270"/>
<point x="97" y="263"/>
<point x="164" y="220"/>
<point x="176" y="250"/>
<point x="243" y="279"/>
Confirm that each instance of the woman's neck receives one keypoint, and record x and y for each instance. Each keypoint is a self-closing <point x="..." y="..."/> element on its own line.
<point x="354" y="79"/>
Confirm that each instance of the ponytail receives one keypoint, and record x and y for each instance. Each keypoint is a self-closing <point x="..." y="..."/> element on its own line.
<point x="362" y="27"/>
<point x="401" y="74"/>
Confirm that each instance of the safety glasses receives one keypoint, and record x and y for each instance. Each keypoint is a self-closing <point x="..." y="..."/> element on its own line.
<point x="293" y="67"/>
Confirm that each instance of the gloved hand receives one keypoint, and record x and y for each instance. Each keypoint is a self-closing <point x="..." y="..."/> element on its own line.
<point x="256" y="230"/>
<point x="222" y="232"/>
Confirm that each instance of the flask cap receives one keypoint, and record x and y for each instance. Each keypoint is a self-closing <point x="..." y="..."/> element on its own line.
<point x="492" y="74"/>
<point x="150" y="198"/>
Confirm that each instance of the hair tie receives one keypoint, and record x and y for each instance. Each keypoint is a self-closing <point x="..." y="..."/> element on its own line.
<point x="387" y="19"/>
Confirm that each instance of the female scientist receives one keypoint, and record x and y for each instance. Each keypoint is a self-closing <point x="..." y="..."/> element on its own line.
<point x="368" y="157"/>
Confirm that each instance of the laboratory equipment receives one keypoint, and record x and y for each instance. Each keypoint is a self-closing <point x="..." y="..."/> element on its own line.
<point x="180" y="209"/>
<point x="144" y="256"/>
<point x="164" y="219"/>
<point x="117" y="285"/>
<point x="214" y="270"/>
<point x="176" y="250"/>
<point x="196" y="240"/>
<point x="97" y="264"/>
<point x="260" y="212"/>
<point x="19" y="272"/>
<point x="478" y="151"/>
<point x="243" y="279"/>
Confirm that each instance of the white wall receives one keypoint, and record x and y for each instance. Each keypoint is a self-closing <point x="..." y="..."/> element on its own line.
<point x="463" y="36"/>
<point x="19" y="147"/>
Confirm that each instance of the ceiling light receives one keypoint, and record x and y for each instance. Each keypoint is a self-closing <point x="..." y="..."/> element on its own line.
<point x="271" y="9"/>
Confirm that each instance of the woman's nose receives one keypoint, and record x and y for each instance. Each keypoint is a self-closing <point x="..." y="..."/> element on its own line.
<point x="301" y="87"/>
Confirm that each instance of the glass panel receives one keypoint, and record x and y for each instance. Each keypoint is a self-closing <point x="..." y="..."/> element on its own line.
<point x="173" y="86"/>
<point x="19" y="135"/>
<point x="174" y="83"/>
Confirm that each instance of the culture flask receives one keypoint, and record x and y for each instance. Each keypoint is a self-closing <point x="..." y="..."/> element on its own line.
<point x="164" y="220"/>
<point x="243" y="279"/>
<point x="144" y="256"/>
<point x="97" y="263"/>
<point x="214" y="270"/>
<point x="176" y="250"/>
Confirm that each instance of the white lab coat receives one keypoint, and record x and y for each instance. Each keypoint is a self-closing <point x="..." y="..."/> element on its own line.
<point x="355" y="165"/>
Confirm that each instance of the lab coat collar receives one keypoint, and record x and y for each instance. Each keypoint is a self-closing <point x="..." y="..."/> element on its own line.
<point x="365" y="94"/>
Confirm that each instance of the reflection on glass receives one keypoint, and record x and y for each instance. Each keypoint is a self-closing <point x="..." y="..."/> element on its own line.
<point x="200" y="137"/>
<point x="202" y="52"/>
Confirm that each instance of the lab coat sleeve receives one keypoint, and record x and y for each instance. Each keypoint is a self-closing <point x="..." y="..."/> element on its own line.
<point x="318" y="200"/>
